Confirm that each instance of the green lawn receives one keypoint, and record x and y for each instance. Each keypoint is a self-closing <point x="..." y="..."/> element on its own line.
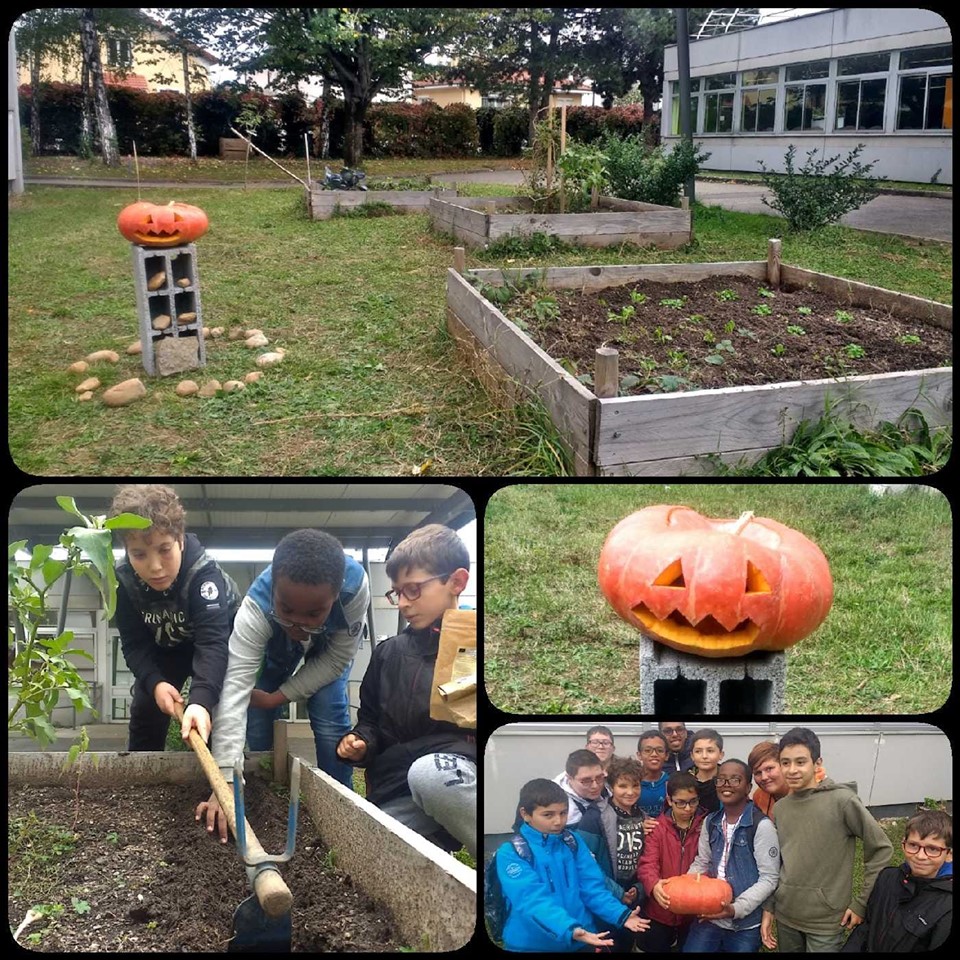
<point x="372" y="383"/>
<point x="553" y="645"/>
<point x="727" y="175"/>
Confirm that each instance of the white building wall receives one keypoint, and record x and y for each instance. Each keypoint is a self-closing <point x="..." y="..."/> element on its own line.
<point x="908" y="155"/>
<point x="892" y="762"/>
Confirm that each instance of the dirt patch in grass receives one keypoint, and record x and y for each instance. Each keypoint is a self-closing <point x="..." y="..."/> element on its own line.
<point x="722" y="332"/>
<point x="142" y="876"/>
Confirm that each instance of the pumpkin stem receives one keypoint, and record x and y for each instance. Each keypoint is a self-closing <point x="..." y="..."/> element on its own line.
<point x="745" y="518"/>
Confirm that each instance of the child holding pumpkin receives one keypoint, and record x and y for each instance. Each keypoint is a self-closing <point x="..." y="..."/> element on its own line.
<point x="819" y="824"/>
<point x="738" y="844"/>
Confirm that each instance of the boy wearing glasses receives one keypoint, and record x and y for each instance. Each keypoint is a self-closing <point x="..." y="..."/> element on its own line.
<point x="738" y="844"/>
<point x="600" y="742"/>
<point x="584" y="783"/>
<point x="422" y="772"/>
<point x="819" y="824"/>
<point x="294" y="638"/>
<point x="911" y="906"/>
<point x="652" y="753"/>
<point x="668" y="852"/>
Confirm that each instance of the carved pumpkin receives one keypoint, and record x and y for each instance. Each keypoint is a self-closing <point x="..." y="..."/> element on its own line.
<point x="696" y="894"/>
<point x="156" y="225"/>
<point x="717" y="588"/>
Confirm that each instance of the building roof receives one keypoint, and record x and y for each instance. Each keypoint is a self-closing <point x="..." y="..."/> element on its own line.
<point x="133" y="81"/>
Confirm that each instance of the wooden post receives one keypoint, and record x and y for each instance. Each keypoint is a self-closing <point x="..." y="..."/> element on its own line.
<point x="684" y="203"/>
<point x="773" y="263"/>
<point x="280" y="772"/>
<point x="606" y="373"/>
<point x="549" y="149"/>
<point x="459" y="259"/>
<point x="563" y="147"/>
<point x="490" y="208"/>
<point x="594" y="198"/>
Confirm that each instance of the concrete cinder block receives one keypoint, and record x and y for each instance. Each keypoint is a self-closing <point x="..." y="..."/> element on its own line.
<point x="178" y="294"/>
<point x="176" y="354"/>
<point x="673" y="681"/>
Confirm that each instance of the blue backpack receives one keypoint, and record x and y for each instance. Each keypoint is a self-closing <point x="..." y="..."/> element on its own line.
<point x="495" y="907"/>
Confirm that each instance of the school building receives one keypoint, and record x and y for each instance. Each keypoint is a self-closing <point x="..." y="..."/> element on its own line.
<point x="828" y="80"/>
<point x="895" y="764"/>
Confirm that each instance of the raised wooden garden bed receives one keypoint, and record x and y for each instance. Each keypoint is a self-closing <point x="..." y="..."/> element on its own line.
<point x="322" y="204"/>
<point x="669" y="434"/>
<point x="476" y="222"/>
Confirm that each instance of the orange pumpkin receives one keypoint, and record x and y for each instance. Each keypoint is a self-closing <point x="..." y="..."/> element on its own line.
<point x="696" y="894"/>
<point x="717" y="588"/>
<point x="156" y="225"/>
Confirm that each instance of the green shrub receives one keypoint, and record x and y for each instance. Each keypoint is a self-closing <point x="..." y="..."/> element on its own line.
<point x="634" y="171"/>
<point x="810" y="198"/>
<point x="510" y="128"/>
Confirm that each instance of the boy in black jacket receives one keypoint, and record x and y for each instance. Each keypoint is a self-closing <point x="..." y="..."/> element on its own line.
<point x="423" y="772"/>
<point x="911" y="906"/>
<point x="175" y="610"/>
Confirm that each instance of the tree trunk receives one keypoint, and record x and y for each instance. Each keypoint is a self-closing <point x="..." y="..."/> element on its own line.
<point x="353" y="141"/>
<point x="91" y="53"/>
<point x="34" y="104"/>
<point x="191" y="132"/>
<point x="322" y="145"/>
<point x="86" y="113"/>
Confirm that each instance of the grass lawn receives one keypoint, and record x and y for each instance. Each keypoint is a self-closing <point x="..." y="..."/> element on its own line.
<point x="752" y="176"/>
<point x="553" y="645"/>
<point x="371" y="384"/>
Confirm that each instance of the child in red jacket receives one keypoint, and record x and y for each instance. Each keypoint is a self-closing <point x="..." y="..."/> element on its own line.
<point x="669" y="850"/>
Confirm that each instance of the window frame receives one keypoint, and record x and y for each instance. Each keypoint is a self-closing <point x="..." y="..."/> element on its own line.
<point x="927" y="73"/>
<point x="773" y="85"/>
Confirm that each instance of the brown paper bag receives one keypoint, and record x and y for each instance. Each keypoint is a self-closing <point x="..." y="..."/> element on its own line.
<point x="454" y="694"/>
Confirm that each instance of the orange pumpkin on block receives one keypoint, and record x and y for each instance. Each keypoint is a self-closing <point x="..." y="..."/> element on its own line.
<point x="697" y="894"/>
<point x="162" y="225"/>
<point x="716" y="588"/>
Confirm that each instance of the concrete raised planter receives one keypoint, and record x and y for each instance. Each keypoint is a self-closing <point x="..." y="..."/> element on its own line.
<point x="431" y="896"/>
<point x="323" y="203"/>
<point x="675" y="433"/>
<point x="475" y="221"/>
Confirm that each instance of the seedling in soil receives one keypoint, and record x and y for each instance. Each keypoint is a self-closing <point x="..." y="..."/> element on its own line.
<point x="795" y="330"/>
<point x="744" y="332"/>
<point x="713" y="358"/>
<point x="726" y="345"/>
<point x="623" y="316"/>
<point x="661" y="337"/>
<point x="113" y="837"/>
<point x="764" y="292"/>
<point x="909" y="338"/>
<point x="638" y="298"/>
<point x="854" y="351"/>
<point x="586" y="379"/>
<point x="805" y="311"/>
<point x="678" y="359"/>
<point x="727" y="295"/>
<point x="730" y="326"/>
<point x="696" y="318"/>
<point x="708" y="337"/>
<point x="670" y="383"/>
<point x="762" y="310"/>
<point x="676" y="303"/>
<point x="79" y="906"/>
<point x="628" y="382"/>
<point x="545" y="308"/>
<point x="779" y="350"/>
<point x="844" y="317"/>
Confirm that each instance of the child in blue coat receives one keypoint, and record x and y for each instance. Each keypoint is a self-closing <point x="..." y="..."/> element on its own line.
<point x="557" y="897"/>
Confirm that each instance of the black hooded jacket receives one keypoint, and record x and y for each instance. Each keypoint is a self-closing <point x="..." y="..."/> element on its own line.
<point x="905" y="914"/>
<point x="394" y="715"/>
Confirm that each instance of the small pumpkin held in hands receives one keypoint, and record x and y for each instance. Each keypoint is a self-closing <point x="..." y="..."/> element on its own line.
<point x="695" y="894"/>
<point x="716" y="588"/>
<point x="162" y="225"/>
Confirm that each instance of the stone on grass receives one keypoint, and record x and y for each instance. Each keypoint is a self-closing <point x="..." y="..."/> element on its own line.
<point x="135" y="348"/>
<point x="233" y="385"/>
<point x="91" y="383"/>
<point x="209" y="389"/>
<point x="111" y="356"/>
<point x="124" y="393"/>
<point x="253" y="332"/>
<point x="266" y="359"/>
<point x="257" y="340"/>
<point x="85" y="396"/>
<point x="216" y="332"/>
<point x="237" y="333"/>
<point x="253" y="376"/>
<point x="186" y="388"/>
<point x="81" y="366"/>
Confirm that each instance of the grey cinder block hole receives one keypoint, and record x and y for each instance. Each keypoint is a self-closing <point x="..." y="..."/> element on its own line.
<point x="746" y="697"/>
<point x="679" y="696"/>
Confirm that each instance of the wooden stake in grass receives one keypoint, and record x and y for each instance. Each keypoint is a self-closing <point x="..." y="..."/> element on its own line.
<point x="459" y="259"/>
<point x="563" y="147"/>
<point x="606" y="373"/>
<point x="773" y="263"/>
<point x="136" y="166"/>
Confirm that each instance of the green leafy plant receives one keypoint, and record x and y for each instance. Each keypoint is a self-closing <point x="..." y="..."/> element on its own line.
<point x="709" y="337"/>
<point x="727" y="346"/>
<point x="624" y="316"/>
<point x="730" y="326"/>
<point x="854" y="351"/>
<point x="546" y="308"/>
<point x="762" y="310"/>
<point x="795" y="330"/>
<point x="678" y="359"/>
<point x="79" y="906"/>
<point x="661" y="337"/>
<point x="696" y="318"/>
<point x="908" y="339"/>
<point x="779" y="350"/>
<point x="805" y="311"/>
<point x="675" y="302"/>
<point x="637" y="297"/>
<point x="583" y="167"/>
<point x="812" y="197"/>
<point x="727" y="295"/>
<point x="535" y="244"/>
<point x="764" y="292"/>
<point x="634" y="171"/>
<point x="367" y="209"/>
<point x="843" y="316"/>
<point x="671" y="383"/>
<point x="744" y="332"/>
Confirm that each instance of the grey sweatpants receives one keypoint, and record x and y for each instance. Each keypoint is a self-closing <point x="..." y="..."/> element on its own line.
<point x="443" y="794"/>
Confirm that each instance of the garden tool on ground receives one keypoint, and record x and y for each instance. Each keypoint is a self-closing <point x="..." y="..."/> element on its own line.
<point x="261" y="924"/>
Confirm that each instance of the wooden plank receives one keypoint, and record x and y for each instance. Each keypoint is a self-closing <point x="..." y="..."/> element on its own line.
<point x="682" y="466"/>
<point x="323" y="202"/>
<point x="602" y="277"/>
<point x="569" y="402"/>
<point x="863" y="294"/>
<point x="585" y="224"/>
<point x="631" y="429"/>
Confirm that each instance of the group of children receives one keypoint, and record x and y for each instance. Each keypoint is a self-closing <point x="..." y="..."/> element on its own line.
<point x="293" y="636"/>
<point x="593" y="847"/>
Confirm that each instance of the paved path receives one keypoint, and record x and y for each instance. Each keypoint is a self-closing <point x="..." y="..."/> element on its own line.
<point x="928" y="218"/>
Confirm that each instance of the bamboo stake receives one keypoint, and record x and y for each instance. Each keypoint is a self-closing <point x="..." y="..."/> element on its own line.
<point x="306" y="153"/>
<point x="136" y="165"/>
<point x="274" y="162"/>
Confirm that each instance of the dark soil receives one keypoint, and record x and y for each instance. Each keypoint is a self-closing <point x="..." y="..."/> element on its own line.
<point x="666" y="347"/>
<point x="154" y="881"/>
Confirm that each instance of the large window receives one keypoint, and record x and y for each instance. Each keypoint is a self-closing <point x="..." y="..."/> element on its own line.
<point x="119" y="52"/>
<point x="675" y="105"/>
<point x="758" y="100"/>
<point x="805" y="96"/>
<point x="860" y="100"/>
<point x="718" y="103"/>
<point x="925" y="99"/>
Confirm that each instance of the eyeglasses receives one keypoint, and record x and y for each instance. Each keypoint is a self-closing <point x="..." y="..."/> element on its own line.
<point x="586" y="781"/>
<point x="685" y="804"/>
<point x="933" y="853"/>
<point x="411" y="591"/>
<point x="653" y="751"/>
<point x="669" y="731"/>
<point x="600" y="743"/>
<point x="728" y="781"/>
<point x="309" y="631"/>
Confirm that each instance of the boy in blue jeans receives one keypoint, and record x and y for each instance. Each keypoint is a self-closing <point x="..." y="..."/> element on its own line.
<point x="555" y="899"/>
<point x="294" y="638"/>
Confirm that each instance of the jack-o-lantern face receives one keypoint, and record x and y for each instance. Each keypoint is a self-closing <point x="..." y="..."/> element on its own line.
<point x="156" y="225"/>
<point x="717" y="588"/>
